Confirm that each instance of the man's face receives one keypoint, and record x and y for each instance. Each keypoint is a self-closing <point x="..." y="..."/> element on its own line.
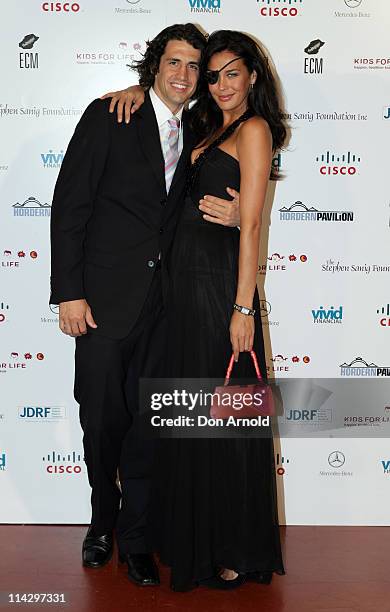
<point x="178" y="74"/>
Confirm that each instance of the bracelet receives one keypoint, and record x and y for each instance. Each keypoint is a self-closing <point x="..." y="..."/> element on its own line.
<point x="244" y="310"/>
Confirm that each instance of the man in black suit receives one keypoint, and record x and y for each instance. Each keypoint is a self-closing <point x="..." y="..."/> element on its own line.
<point x="115" y="208"/>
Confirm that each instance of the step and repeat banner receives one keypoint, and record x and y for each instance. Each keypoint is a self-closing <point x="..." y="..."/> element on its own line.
<point x="325" y="265"/>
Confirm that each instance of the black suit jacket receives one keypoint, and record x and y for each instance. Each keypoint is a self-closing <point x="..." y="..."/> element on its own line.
<point x="111" y="215"/>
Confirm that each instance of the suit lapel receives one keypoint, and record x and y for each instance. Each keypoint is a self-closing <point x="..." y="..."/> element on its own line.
<point x="149" y="138"/>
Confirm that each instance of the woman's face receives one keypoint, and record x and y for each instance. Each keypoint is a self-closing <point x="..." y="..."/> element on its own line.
<point x="234" y="82"/>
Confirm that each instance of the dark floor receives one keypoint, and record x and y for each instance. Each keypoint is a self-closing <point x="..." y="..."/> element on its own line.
<point x="329" y="569"/>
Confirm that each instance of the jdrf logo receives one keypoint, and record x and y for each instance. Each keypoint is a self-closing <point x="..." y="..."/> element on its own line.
<point x="291" y="10"/>
<point x="2" y="462"/>
<point x="48" y="413"/>
<point x="386" y="466"/>
<point x="386" y="112"/>
<point x="205" y="6"/>
<point x="330" y="315"/>
<point x="302" y="415"/>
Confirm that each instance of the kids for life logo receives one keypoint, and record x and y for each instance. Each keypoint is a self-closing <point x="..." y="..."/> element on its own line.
<point x="14" y="259"/>
<point x="280" y="8"/>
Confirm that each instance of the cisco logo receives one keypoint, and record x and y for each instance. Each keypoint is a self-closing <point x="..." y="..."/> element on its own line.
<point x="66" y="464"/>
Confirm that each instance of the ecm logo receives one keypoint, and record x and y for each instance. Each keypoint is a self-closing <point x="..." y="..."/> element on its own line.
<point x="28" y="59"/>
<point x="314" y="65"/>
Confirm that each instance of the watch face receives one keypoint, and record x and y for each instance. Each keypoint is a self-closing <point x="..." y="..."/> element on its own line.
<point x="245" y="310"/>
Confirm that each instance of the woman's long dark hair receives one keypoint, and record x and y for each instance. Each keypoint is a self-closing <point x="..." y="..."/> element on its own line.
<point x="206" y="116"/>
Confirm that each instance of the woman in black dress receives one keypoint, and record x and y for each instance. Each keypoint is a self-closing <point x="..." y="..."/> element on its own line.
<point x="215" y="520"/>
<point x="214" y="517"/>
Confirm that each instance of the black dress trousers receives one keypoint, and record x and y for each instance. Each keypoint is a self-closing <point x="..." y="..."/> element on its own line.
<point x="107" y="373"/>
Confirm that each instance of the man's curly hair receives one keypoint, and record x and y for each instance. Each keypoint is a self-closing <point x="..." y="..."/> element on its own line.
<point x="148" y="66"/>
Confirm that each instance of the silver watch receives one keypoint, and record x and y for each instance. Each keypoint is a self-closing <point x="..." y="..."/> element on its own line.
<point x="244" y="310"/>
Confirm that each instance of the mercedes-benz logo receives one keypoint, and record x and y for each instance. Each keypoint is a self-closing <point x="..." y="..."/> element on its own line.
<point x="133" y="1"/>
<point x="353" y="3"/>
<point x="54" y="308"/>
<point x="265" y="308"/>
<point x="336" y="459"/>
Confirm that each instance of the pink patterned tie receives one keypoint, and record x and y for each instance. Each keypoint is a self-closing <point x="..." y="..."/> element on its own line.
<point x="171" y="151"/>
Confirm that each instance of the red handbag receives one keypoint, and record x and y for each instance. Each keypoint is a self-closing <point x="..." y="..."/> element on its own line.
<point x="242" y="401"/>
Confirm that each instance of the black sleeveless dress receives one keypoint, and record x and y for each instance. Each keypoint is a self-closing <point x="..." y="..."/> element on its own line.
<point x="215" y="499"/>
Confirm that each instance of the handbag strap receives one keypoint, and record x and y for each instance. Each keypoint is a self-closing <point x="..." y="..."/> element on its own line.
<point x="231" y="364"/>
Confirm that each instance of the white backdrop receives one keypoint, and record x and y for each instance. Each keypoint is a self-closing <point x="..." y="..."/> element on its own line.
<point x="333" y="60"/>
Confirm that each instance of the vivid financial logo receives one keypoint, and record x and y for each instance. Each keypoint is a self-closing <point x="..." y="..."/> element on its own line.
<point x="300" y="212"/>
<point x="386" y="466"/>
<point x="205" y="6"/>
<point x="360" y="367"/>
<point x="52" y="160"/>
<point x="283" y="8"/>
<point x="328" y="315"/>
<point x="338" y="164"/>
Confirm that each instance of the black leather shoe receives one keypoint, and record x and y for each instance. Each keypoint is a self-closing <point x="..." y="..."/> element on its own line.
<point x="97" y="550"/>
<point x="142" y="569"/>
